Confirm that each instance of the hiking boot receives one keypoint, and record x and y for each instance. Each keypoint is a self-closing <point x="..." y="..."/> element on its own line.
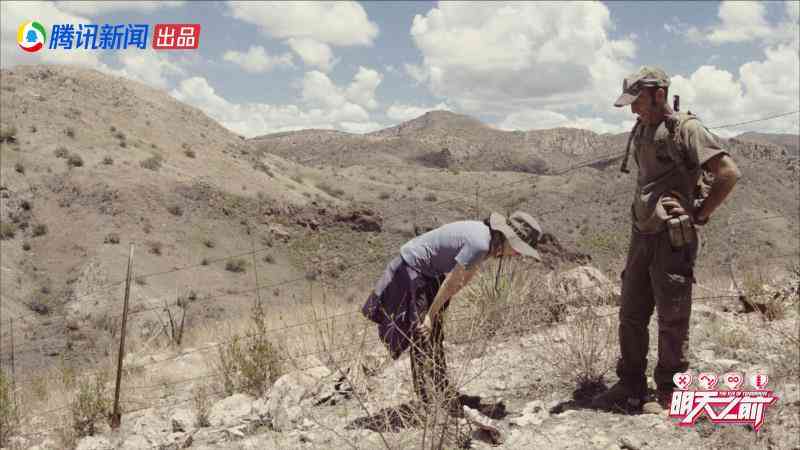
<point x="659" y="404"/>
<point x="620" y="397"/>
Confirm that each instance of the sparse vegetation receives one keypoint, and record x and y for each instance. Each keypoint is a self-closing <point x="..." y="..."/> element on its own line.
<point x="201" y="400"/>
<point x="70" y="132"/>
<point x="249" y="363"/>
<point x="111" y="238"/>
<point x="155" y="247"/>
<point x="209" y="243"/>
<point x="8" y="133"/>
<point x="429" y="197"/>
<point x="189" y="153"/>
<point x="236" y="265"/>
<point x="269" y="259"/>
<point x="108" y="160"/>
<point x="9" y="419"/>
<point x="61" y="152"/>
<point x="204" y="262"/>
<point x="7" y="230"/>
<point x="91" y="404"/>
<point x="175" y="210"/>
<point x="260" y="166"/>
<point x="19" y="168"/>
<point x="74" y="160"/>
<point x="384" y="196"/>
<point x="26" y="246"/>
<point x="39" y="229"/>
<point x="152" y="163"/>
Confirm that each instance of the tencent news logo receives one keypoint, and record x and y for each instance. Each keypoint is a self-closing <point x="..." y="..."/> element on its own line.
<point x="32" y="37"/>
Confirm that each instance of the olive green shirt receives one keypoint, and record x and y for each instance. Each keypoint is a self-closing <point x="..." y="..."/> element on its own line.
<point x="660" y="174"/>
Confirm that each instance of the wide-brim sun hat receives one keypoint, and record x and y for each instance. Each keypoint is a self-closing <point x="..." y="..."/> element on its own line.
<point x="521" y="230"/>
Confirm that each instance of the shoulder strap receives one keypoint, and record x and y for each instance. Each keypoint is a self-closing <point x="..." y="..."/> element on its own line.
<point x="674" y="122"/>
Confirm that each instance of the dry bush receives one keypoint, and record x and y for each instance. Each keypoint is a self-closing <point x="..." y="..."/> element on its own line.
<point x="236" y="265"/>
<point x="19" y="168"/>
<point x="9" y="418"/>
<point x="249" y="363"/>
<point x="74" y="160"/>
<point x="8" y="133"/>
<point x="7" y="230"/>
<point x="201" y="400"/>
<point x="91" y="404"/>
<point x="152" y="163"/>
<point x="61" y="152"/>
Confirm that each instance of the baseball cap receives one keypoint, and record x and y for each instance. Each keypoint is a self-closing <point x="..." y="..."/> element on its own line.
<point x="632" y="84"/>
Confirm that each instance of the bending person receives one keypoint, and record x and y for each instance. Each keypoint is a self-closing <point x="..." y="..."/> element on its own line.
<point x="409" y="300"/>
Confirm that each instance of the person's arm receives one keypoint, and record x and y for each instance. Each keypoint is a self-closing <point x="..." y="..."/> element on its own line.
<point x="459" y="277"/>
<point x="726" y="174"/>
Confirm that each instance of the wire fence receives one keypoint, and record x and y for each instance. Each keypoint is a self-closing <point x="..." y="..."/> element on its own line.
<point x="470" y="201"/>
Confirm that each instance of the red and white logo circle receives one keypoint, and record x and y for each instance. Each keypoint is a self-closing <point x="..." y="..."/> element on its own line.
<point x="733" y="380"/>
<point x="759" y="380"/>
<point x="683" y="380"/>
<point x="707" y="380"/>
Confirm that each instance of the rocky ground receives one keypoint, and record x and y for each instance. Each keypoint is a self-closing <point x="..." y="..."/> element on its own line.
<point x="366" y="404"/>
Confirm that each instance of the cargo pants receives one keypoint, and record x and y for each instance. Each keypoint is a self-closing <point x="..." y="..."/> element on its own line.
<point x="656" y="277"/>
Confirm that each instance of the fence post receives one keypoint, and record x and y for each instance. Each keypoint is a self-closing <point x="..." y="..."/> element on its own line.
<point x="13" y="369"/>
<point x="116" y="416"/>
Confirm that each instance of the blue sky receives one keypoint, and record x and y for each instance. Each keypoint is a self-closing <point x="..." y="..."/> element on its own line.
<point x="362" y="66"/>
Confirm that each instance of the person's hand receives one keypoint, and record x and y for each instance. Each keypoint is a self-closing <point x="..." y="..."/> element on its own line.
<point x="425" y="328"/>
<point x="673" y="207"/>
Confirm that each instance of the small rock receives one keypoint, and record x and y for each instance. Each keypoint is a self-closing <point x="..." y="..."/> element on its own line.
<point x="94" y="443"/>
<point x="182" y="420"/>
<point x="230" y="411"/>
<point x="136" y="442"/>
<point x="631" y="443"/>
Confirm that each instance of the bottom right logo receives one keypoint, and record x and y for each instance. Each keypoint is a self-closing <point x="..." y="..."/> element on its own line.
<point x="733" y="406"/>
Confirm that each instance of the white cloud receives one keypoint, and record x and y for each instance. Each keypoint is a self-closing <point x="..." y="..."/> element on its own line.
<point x="740" y="22"/>
<point x="253" y="119"/>
<point x="150" y="68"/>
<point x="399" y="112"/>
<point x="310" y="29"/>
<point x="319" y="90"/>
<point x="257" y="60"/>
<point x="335" y="23"/>
<point x="532" y="119"/>
<point x="745" y="22"/>
<point x="362" y="89"/>
<point x="313" y="53"/>
<point x="361" y="127"/>
<point x="520" y="55"/>
<point x="95" y="8"/>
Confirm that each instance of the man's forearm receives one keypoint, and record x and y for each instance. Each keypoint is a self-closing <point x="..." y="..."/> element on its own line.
<point x="726" y="174"/>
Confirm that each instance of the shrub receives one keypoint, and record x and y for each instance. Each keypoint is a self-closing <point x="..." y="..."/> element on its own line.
<point x="25" y="205"/>
<point x="108" y="160"/>
<point x="70" y="132"/>
<point x="249" y="363"/>
<point x="111" y="238"/>
<point x="7" y="230"/>
<point x="74" y="161"/>
<point x="384" y="196"/>
<point x="39" y="229"/>
<point x="155" y="247"/>
<point x="61" y="152"/>
<point x="91" y="404"/>
<point x="175" y="210"/>
<point x="26" y="246"/>
<point x="269" y="259"/>
<point x="189" y="153"/>
<point x="9" y="419"/>
<point x="236" y="265"/>
<point x="123" y="144"/>
<point x="8" y="133"/>
<point x="430" y="197"/>
<point x="152" y="163"/>
<point x="201" y="399"/>
<point x="119" y="135"/>
<point x="19" y="168"/>
<point x="208" y="242"/>
<point x="204" y="262"/>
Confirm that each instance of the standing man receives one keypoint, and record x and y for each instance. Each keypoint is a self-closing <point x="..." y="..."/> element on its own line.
<point x="671" y="150"/>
